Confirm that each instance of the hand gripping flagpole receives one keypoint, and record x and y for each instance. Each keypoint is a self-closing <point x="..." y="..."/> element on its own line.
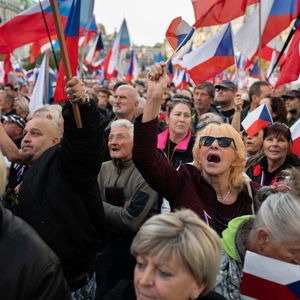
<point x="65" y="57"/>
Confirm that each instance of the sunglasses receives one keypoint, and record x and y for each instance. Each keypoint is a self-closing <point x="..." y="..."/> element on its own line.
<point x="223" y="142"/>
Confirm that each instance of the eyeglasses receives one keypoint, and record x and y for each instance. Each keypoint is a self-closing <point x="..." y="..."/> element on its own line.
<point x="202" y="125"/>
<point x="223" y="142"/>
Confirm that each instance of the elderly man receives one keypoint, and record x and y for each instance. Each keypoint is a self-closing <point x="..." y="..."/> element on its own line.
<point x="126" y="100"/>
<point x="292" y="103"/>
<point x="59" y="195"/>
<point x="204" y="95"/>
<point x="128" y="202"/>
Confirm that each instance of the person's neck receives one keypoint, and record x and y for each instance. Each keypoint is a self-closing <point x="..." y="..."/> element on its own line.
<point x="275" y="164"/>
<point x="219" y="183"/>
<point x="176" y="138"/>
<point x="200" y="112"/>
<point x="226" y="106"/>
<point x="252" y="106"/>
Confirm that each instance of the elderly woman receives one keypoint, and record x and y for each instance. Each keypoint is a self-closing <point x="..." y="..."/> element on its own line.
<point x="277" y="156"/>
<point x="274" y="232"/>
<point x="214" y="186"/>
<point x="177" y="258"/>
<point x="176" y="142"/>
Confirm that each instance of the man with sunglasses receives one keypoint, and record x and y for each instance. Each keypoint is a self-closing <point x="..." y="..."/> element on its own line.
<point x="292" y="103"/>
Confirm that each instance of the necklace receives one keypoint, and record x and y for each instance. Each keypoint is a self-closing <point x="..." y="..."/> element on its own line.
<point x="222" y="199"/>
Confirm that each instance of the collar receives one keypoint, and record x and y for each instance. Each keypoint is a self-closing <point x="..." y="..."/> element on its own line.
<point x="162" y="140"/>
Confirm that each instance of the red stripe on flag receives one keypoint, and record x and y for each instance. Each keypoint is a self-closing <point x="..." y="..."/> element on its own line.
<point x="257" y="126"/>
<point x="260" y="288"/>
<point x="210" y="68"/>
<point x="296" y="147"/>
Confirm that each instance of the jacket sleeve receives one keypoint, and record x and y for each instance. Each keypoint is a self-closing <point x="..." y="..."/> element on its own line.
<point x="80" y="148"/>
<point x="50" y="283"/>
<point x="161" y="176"/>
<point x="132" y="217"/>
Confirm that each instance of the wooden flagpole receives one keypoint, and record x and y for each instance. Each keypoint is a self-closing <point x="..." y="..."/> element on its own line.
<point x="65" y="57"/>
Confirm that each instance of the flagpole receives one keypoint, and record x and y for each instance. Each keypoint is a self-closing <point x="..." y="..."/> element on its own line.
<point x="49" y="36"/>
<point x="65" y="57"/>
<point x="260" y="40"/>
<point x="292" y="32"/>
<point x="47" y="77"/>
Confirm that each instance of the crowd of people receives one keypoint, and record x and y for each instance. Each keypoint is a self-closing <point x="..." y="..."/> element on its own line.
<point x="158" y="196"/>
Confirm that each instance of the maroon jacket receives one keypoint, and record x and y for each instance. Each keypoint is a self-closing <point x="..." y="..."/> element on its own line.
<point x="185" y="187"/>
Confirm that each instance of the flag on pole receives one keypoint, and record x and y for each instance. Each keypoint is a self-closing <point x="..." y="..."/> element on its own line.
<point x="291" y="68"/>
<point x="38" y="94"/>
<point x="72" y="37"/>
<point x="295" y="131"/>
<point x="132" y="70"/>
<point x="272" y="63"/>
<point x="179" y="33"/>
<point x="276" y="15"/>
<point x="212" y="57"/>
<point x="257" y="120"/>
<point x="216" y="12"/>
<point x="122" y="41"/>
<point x="180" y="81"/>
<point x="255" y="71"/>
<point x="29" y="26"/>
<point x="266" y="278"/>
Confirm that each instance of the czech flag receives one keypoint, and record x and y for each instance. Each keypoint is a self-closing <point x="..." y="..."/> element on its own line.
<point x="121" y="42"/>
<point x="266" y="278"/>
<point x="179" y="33"/>
<point x="276" y="15"/>
<point x="257" y="120"/>
<point x="216" y="12"/>
<point x="181" y="80"/>
<point x="7" y="66"/>
<point x="72" y="37"/>
<point x="295" y="131"/>
<point x="132" y="70"/>
<point x="255" y="72"/>
<point x="212" y="57"/>
<point x="29" y="26"/>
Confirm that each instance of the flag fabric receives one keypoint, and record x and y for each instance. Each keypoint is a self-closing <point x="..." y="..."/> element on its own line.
<point x="272" y="63"/>
<point x="266" y="278"/>
<point x="255" y="71"/>
<point x="179" y="33"/>
<point x="132" y="70"/>
<point x="29" y="26"/>
<point x="72" y="37"/>
<point x="180" y="81"/>
<point x="7" y="66"/>
<point x="291" y="68"/>
<point x="276" y="15"/>
<point x="159" y="58"/>
<point x="38" y="94"/>
<point x="257" y="120"/>
<point x="176" y="61"/>
<point x="295" y="131"/>
<point x="216" y="12"/>
<point x="170" y="71"/>
<point x="91" y="53"/>
<point x="212" y="57"/>
<point x="121" y="42"/>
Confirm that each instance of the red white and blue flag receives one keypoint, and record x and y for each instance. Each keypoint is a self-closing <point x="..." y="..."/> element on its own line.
<point x="216" y="12"/>
<point x="212" y="57"/>
<point x="133" y="68"/>
<point x="7" y="66"/>
<point x="179" y="33"/>
<point x="295" y="131"/>
<point x="257" y="120"/>
<point x="29" y="26"/>
<point x="72" y="37"/>
<point x="121" y="42"/>
<point x="266" y="278"/>
<point x="276" y="15"/>
<point x="255" y="71"/>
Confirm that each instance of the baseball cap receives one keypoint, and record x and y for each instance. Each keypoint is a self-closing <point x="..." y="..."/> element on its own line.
<point x="15" y="119"/>
<point x="228" y="84"/>
<point x="292" y="94"/>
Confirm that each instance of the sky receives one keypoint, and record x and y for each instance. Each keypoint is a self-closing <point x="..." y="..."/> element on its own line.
<point x="147" y="20"/>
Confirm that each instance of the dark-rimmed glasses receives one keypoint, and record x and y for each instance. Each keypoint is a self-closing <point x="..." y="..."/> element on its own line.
<point x="223" y="142"/>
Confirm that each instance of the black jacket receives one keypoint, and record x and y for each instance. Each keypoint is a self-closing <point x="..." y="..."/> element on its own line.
<point x="29" y="268"/>
<point x="60" y="197"/>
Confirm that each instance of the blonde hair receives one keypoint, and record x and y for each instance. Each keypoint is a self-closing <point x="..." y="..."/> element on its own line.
<point x="183" y="236"/>
<point x="3" y="173"/>
<point x="236" y="178"/>
<point x="23" y="104"/>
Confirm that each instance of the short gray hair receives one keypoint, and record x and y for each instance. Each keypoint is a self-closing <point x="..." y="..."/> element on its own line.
<point x="123" y="123"/>
<point x="181" y="235"/>
<point x="211" y="117"/>
<point x="279" y="214"/>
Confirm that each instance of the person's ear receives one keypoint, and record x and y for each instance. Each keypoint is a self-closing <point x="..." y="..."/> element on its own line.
<point x="197" y="290"/>
<point x="262" y="239"/>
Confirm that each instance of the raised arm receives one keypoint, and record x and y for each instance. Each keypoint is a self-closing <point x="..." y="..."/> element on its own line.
<point x="238" y="107"/>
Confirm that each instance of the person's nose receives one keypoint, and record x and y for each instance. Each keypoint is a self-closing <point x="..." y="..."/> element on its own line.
<point x="147" y="276"/>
